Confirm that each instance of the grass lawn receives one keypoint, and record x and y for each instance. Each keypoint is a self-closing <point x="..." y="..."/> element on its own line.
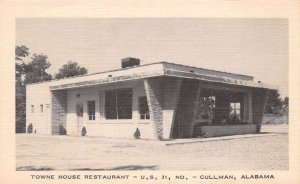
<point x="36" y="152"/>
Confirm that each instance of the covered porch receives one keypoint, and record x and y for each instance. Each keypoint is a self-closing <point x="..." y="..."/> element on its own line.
<point x="187" y="108"/>
<point x="207" y="109"/>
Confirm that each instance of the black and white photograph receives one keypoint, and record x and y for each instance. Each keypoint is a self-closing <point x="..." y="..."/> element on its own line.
<point x="152" y="94"/>
<point x="147" y="91"/>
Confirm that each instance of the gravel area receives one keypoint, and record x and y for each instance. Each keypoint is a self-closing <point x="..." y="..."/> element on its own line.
<point x="36" y="152"/>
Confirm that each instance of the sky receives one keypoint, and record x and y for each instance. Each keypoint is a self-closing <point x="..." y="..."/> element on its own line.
<point x="256" y="47"/>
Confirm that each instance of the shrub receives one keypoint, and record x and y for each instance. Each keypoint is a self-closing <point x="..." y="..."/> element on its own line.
<point x="83" y="131"/>
<point x="29" y="128"/>
<point x="62" y="130"/>
<point x="137" y="133"/>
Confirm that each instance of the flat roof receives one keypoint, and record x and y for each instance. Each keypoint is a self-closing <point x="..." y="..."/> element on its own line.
<point x="153" y="70"/>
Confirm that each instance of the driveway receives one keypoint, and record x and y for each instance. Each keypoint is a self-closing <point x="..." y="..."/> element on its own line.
<point x="37" y="152"/>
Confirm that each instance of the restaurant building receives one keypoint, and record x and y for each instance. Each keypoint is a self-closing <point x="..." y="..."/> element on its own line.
<point x="159" y="101"/>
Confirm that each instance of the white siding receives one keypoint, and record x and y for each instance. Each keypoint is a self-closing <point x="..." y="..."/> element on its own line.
<point x="37" y="95"/>
<point x="101" y="126"/>
<point x="40" y="94"/>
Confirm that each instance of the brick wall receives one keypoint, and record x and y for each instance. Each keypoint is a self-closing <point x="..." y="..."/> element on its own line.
<point x="59" y="112"/>
<point x="162" y="96"/>
<point x="154" y="97"/>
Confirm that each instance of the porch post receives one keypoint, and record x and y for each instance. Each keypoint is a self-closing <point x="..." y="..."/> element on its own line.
<point x="171" y="91"/>
<point x="59" y="112"/>
<point x="162" y="97"/>
<point x="154" y="100"/>
<point x="188" y="97"/>
<point x="259" y="98"/>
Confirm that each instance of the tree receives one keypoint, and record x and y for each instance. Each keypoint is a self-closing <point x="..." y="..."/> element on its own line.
<point x="20" y="52"/>
<point x="274" y="102"/>
<point x="35" y="71"/>
<point x="286" y="101"/>
<point x="70" y="69"/>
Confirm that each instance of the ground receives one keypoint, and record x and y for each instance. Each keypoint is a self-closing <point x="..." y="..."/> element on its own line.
<point x="268" y="152"/>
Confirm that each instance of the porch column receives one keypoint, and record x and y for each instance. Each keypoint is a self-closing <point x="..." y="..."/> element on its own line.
<point x="189" y="94"/>
<point x="59" y="112"/>
<point x="162" y="97"/>
<point x="154" y="100"/>
<point x="171" y="91"/>
<point x="259" y="98"/>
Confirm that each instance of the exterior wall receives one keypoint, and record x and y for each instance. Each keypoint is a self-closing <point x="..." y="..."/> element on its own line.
<point x="107" y="127"/>
<point x="171" y="92"/>
<point x="162" y="96"/>
<point x="259" y="97"/>
<point x="189" y="93"/>
<point x="154" y="94"/>
<point x="37" y="95"/>
<point x="59" y="112"/>
<point x="215" y="131"/>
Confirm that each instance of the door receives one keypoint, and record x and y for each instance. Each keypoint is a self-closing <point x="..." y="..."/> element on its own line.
<point x="79" y="113"/>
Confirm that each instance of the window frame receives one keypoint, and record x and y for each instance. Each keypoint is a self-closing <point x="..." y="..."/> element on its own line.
<point x="146" y="115"/>
<point x="91" y="113"/>
<point x="114" y="94"/>
<point x="41" y="108"/>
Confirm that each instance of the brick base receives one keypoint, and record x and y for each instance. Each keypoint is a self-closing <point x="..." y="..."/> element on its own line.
<point x="59" y="112"/>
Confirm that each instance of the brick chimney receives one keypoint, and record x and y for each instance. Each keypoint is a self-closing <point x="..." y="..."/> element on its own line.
<point x="130" y="62"/>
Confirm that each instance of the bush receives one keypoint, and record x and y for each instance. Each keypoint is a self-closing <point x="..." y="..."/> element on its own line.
<point x="29" y="128"/>
<point x="62" y="130"/>
<point x="137" y="133"/>
<point x="83" y="131"/>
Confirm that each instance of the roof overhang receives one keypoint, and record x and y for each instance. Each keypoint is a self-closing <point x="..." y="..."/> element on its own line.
<point x="111" y="77"/>
<point x="155" y="70"/>
<point x="217" y="79"/>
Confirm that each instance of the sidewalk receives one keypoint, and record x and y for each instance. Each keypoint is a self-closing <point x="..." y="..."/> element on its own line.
<point x="195" y="140"/>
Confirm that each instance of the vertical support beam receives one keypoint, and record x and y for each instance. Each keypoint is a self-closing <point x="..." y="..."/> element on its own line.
<point x="186" y="107"/>
<point x="259" y="97"/>
<point x="154" y="99"/>
<point x="59" y="112"/>
<point x="245" y="114"/>
<point x="102" y="104"/>
<point x="171" y="91"/>
<point x="250" y="108"/>
<point x="196" y="109"/>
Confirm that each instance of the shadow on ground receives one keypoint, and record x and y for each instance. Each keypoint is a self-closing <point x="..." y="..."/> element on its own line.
<point x="32" y="168"/>
<point x="128" y="168"/>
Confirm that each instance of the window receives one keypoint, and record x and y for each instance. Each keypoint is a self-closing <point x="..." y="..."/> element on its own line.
<point x="32" y="108"/>
<point x="219" y="107"/>
<point x="143" y="108"/>
<point x="118" y="104"/>
<point x="91" y="110"/>
<point x="235" y="110"/>
<point x="41" y="108"/>
<point x="206" y="108"/>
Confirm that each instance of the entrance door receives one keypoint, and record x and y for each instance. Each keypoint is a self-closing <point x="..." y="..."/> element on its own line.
<point x="79" y="113"/>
